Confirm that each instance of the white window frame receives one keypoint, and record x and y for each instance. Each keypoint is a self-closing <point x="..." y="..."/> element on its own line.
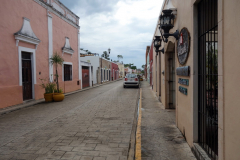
<point x="33" y="63"/>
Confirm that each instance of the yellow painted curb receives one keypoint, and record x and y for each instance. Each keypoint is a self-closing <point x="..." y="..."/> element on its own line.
<point x="138" y="155"/>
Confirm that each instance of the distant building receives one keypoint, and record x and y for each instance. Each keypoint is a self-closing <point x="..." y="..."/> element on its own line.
<point x="121" y="69"/>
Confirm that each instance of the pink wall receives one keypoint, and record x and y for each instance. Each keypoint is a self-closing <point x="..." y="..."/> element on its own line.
<point x="62" y="29"/>
<point x="115" y="67"/>
<point x="11" y="21"/>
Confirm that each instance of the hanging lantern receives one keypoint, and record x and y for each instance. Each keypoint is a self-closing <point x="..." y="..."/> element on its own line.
<point x="167" y="23"/>
<point x="157" y="43"/>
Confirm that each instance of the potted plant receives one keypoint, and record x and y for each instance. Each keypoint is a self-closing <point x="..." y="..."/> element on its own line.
<point x="57" y="60"/>
<point x="49" y="89"/>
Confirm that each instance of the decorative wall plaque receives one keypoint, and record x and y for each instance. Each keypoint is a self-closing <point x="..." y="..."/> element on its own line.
<point x="183" y="71"/>
<point x="183" y="46"/>
<point x="183" y="81"/>
<point x="183" y="90"/>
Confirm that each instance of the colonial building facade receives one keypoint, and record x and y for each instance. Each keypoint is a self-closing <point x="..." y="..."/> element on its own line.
<point x="32" y="31"/>
<point x="196" y="73"/>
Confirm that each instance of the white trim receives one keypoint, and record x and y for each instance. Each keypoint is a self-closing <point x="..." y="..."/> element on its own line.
<point x="65" y="50"/>
<point x="50" y="46"/>
<point x="84" y="63"/>
<point x="26" y="33"/>
<point x="27" y="39"/>
<point x="90" y="76"/>
<point x="67" y="47"/>
<point x="17" y="41"/>
<point x="68" y="63"/>
<point x="33" y="60"/>
<point x="53" y="10"/>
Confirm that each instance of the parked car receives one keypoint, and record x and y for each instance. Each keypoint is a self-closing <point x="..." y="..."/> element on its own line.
<point x="131" y="80"/>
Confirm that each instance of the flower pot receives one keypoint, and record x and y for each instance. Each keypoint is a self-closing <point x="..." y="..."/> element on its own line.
<point x="57" y="97"/>
<point x="48" y="97"/>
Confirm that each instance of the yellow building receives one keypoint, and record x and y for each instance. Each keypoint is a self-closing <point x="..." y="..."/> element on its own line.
<point x="121" y="69"/>
<point x="197" y="73"/>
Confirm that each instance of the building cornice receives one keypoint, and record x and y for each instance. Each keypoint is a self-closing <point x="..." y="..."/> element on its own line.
<point x="57" y="13"/>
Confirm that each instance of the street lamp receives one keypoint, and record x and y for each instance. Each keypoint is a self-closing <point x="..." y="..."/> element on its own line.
<point x="157" y="43"/>
<point x="167" y="23"/>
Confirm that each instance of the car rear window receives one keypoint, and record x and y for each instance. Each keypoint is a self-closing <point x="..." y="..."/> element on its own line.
<point x="131" y="75"/>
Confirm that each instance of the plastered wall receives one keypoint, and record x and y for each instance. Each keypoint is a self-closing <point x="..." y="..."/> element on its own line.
<point x="229" y="22"/>
<point x="10" y="23"/>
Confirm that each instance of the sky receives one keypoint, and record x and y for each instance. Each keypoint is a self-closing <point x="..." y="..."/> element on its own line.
<point x="124" y="26"/>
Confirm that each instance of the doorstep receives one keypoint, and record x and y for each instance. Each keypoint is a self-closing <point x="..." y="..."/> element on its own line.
<point x="199" y="153"/>
<point x="30" y="103"/>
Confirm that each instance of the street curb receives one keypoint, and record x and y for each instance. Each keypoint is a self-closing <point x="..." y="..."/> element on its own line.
<point x="132" y="143"/>
<point x="35" y="102"/>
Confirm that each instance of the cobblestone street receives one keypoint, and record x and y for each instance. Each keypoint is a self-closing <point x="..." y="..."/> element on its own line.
<point x="94" y="124"/>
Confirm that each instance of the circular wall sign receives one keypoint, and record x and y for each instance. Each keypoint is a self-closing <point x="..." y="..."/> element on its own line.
<point x="183" y="46"/>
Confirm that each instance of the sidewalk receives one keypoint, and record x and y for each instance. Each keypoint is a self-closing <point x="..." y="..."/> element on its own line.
<point x="35" y="102"/>
<point x="161" y="139"/>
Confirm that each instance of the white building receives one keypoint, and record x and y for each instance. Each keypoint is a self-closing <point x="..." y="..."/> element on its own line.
<point x="94" y="60"/>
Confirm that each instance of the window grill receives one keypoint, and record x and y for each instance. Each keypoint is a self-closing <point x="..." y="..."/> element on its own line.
<point x="208" y="76"/>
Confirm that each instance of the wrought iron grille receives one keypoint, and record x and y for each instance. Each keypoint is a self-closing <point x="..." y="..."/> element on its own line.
<point x="208" y="76"/>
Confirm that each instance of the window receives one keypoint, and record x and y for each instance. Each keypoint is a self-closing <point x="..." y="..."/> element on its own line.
<point x="67" y="72"/>
<point x="104" y="74"/>
<point x="131" y="76"/>
<point x="107" y="75"/>
<point x="208" y="77"/>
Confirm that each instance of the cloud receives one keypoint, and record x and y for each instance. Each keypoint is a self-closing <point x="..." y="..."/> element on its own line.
<point x="125" y="26"/>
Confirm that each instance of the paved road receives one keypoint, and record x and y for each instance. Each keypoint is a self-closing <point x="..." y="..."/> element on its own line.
<point x="94" y="124"/>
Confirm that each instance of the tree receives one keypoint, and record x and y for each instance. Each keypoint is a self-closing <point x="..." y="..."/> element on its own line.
<point x="143" y="66"/>
<point x="133" y="67"/>
<point x="105" y="55"/>
<point x="119" y="57"/>
<point x="57" y="60"/>
<point x="128" y="65"/>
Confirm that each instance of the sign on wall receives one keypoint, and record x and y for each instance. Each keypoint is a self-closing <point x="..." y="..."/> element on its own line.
<point x="183" y="71"/>
<point x="183" y="81"/>
<point x="183" y="90"/>
<point x="183" y="46"/>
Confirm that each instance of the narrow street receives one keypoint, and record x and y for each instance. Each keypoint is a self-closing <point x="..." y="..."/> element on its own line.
<point x="94" y="124"/>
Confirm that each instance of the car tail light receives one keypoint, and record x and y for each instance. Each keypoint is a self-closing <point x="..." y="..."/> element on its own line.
<point x="125" y="79"/>
<point x="136" y="79"/>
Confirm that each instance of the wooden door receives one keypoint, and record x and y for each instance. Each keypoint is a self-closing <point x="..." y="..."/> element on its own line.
<point x="26" y="76"/>
<point x="85" y="77"/>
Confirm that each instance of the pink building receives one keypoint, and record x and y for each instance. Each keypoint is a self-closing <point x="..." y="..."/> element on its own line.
<point x="31" y="31"/>
<point x="114" y="71"/>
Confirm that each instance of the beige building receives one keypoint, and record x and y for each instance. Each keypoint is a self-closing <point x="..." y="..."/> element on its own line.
<point x="121" y="69"/>
<point x="197" y="74"/>
<point x="104" y="71"/>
